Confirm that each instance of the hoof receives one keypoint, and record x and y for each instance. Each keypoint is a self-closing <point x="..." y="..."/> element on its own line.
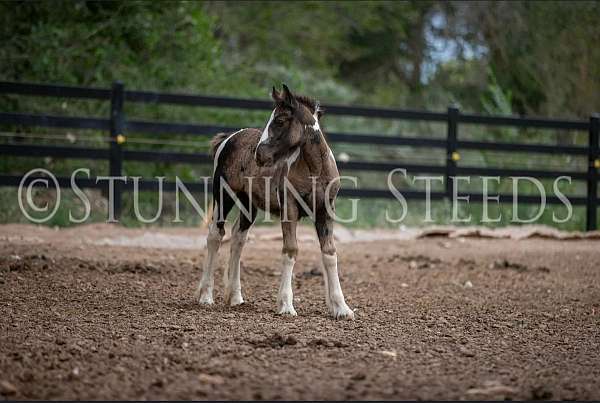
<point x="233" y="298"/>
<point x="342" y="313"/>
<point x="206" y="300"/>
<point x="204" y="295"/>
<point x="236" y="301"/>
<point x="287" y="310"/>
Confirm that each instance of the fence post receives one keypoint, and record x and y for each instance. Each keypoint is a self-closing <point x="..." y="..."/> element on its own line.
<point x="451" y="154"/>
<point x="593" y="165"/>
<point x="117" y="122"/>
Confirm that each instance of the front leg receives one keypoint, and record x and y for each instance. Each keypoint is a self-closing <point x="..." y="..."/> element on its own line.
<point x="285" y="305"/>
<point x="337" y="305"/>
<point x="333" y="290"/>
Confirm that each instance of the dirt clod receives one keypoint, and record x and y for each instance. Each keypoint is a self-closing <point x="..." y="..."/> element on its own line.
<point x="541" y="393"/>
<point x="7" y="388"/>
<point x="275" y="341"/>
<point x="211" y="379"/>
<point x="543" y="269"/>
<point x="493" y="390"/>
<point x="359" y="376"/>
<point x="389" y="353"/>
<point x="466" y="352"/>
<point x="419" y="261"/>
<point x="320" y="343"/>
<point x="504" y="264"/>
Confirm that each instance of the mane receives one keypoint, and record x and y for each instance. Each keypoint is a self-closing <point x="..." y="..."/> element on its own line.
<point x="310" y="103"/>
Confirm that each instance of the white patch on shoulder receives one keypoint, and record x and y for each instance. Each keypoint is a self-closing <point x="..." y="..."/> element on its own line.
<point x="331" y="155"/>
<point x="265" y="133"/>
<point x="221" y="147"/>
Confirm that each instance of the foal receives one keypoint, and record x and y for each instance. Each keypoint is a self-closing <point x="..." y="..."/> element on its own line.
<point x="254" y="169"/>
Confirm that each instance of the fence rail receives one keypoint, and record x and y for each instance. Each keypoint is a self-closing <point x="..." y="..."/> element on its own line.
<point x="116" y="125"/>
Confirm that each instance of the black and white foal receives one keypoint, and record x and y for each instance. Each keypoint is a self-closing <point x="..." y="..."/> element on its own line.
<point x="259" y="169"/>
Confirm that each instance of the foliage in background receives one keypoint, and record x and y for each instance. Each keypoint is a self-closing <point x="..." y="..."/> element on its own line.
<point x="145" y="44"/>
<point x="538" y="58"/>
<point x="546" y="53"/>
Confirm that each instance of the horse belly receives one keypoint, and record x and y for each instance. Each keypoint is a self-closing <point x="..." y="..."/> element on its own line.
<point x="263" y="198"/>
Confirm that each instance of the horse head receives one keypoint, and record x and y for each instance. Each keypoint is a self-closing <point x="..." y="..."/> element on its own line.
<point x="293" y="122"/>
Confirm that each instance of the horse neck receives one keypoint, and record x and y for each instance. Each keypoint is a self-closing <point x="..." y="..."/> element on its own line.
<point x="314" y="154"/>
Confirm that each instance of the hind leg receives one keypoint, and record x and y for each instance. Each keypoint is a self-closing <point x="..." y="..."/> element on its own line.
<point x="204" y="292"/>
<point x="233" y="287"/>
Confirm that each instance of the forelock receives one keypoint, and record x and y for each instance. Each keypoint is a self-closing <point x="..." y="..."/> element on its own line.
<point x="311" y="104"/>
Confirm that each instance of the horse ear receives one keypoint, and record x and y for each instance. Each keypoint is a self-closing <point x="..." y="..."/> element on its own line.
<point x="276" y="95"/>
<point x="288" y="97"/>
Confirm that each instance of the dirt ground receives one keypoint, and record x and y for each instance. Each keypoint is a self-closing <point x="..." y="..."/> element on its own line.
<point x="436" y="318"/>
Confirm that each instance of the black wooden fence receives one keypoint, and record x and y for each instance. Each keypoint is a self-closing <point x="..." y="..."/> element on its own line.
<point x="118" y="126"/>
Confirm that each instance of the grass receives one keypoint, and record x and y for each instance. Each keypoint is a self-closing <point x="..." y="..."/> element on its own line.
<point x="370" y="213"/>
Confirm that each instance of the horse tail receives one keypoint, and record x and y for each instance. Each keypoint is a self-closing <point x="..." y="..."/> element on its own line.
<point x="216" y="142"/>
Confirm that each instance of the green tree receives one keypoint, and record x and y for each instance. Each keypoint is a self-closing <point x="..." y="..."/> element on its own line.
<point x="145" y="44"/>
<point x="545" y="53"/>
